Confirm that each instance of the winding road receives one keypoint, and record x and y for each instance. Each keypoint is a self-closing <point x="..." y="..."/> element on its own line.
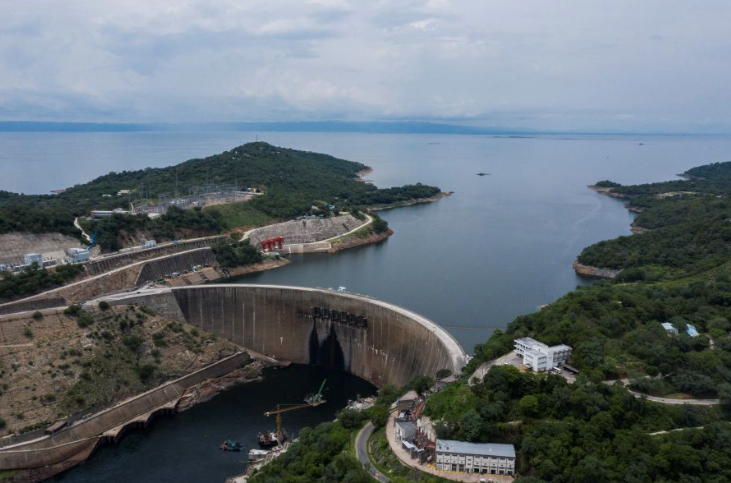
<point x="361" y="452"/>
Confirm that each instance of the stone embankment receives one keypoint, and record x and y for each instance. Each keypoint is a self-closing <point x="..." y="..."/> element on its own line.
<point x="307" y="230"/>
<point x="356" y="241"/>
<point x="589" y="271"/>
<point x="268" y="264"/>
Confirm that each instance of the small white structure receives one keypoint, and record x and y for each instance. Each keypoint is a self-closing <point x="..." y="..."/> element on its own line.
<point x="149" y="244"/>
<point x="405" y="431"/>
<point x="4" y="267"/>
<point x="539" y="357"/>
<point x="78" y="255"/>
<point x="30" y="258"/>
<point x="669" y="328"/>
<point x="691" y="331"/>
<point x="484" y="458"/>
<point x="122" y="192"/>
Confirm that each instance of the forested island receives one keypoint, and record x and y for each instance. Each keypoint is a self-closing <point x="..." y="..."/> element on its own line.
<point x="677" y="272"/>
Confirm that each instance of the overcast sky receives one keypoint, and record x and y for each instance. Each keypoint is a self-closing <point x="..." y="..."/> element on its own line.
<point x="646" y="65"/>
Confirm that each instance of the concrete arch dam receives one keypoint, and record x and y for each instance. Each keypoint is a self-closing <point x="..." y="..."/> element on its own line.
<point x="374" y="340"/>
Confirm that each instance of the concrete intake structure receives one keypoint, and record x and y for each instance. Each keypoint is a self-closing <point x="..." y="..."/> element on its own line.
<point x="374" y="340"/>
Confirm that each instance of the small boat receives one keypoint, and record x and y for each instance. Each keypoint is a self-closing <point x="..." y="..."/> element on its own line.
<point x="483" y="174"/>
<point x="229" y="445"/>
<point x="257" y="455"/>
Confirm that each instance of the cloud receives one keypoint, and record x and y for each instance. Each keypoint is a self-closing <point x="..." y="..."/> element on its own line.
<point x="655" y="64"/>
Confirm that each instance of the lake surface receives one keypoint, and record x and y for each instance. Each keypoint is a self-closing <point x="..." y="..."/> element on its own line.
<point x="499" y="247"/>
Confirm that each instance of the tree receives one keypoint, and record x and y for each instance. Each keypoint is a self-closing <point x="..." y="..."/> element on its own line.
<point x="529" y="406"/>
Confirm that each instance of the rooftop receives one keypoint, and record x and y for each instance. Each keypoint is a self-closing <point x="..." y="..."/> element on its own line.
<point x="482" y="449"/>
<point x="409" y="396"/>
<point x="407" y="425"/>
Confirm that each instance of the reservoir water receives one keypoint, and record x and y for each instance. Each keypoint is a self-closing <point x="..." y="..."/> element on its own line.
<point x="499" y="247"/>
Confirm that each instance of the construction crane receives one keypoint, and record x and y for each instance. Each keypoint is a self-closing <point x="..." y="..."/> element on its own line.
<point x="283" y="408"/>
<point x="316" y="399"/>
<point x="310" y="401"/>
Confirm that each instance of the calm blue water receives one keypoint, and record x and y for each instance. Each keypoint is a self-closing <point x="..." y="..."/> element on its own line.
<point x="499" y="247"/>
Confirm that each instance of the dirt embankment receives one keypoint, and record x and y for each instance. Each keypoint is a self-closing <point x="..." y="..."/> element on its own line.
<point x="589" y="271"/>
<point x="56" y="365"/>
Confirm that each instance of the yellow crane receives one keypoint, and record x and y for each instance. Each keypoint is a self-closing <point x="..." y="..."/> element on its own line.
<point x="283" y="408"/>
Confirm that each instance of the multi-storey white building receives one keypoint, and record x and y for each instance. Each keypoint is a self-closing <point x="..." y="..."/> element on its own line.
<point x="539" y="357"/>
<point x="485" y="458"/>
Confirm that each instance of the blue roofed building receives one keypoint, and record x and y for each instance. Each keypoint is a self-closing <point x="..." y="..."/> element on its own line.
<point x="483" y="458"/>
<point x="692" y="331"/>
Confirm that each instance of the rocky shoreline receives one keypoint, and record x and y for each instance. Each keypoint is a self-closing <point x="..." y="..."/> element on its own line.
<point x="416" y="201"/>
<point x="595" y="272"/>
<point x="210" y="388"/>
<point x="257" y="267"/>
<point x="357" y="241"/>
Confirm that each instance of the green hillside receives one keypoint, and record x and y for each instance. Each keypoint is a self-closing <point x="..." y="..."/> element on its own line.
<point x="293" y="181"/>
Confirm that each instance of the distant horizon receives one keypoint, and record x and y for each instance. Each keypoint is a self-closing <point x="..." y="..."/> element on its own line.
<point x="375" y="127"/>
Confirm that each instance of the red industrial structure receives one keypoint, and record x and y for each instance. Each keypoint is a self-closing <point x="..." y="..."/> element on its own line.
<point x="272" y="243"/>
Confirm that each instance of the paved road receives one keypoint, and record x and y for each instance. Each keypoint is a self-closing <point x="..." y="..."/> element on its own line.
<point x="361" y="452"/>
<point x="666" y="400"/>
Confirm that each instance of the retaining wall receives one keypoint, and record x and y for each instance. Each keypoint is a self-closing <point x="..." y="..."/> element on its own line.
<point x="97" y="267"/>
<point x="84" y="434"/>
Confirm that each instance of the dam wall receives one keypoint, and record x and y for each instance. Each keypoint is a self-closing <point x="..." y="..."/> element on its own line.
<point x="377" y="341"/>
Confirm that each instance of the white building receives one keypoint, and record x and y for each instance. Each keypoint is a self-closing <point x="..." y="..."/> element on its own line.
<point x="30" y="258"/>
<point x="78" y="255"/>
<point x="539" y="357"/>
<point x="149" y="244"/>
<point x="669" y="328"/>
<point x="484" y="458"/>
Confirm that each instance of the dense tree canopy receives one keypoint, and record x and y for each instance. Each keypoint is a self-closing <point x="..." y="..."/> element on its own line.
<point x="293" y="181"/>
